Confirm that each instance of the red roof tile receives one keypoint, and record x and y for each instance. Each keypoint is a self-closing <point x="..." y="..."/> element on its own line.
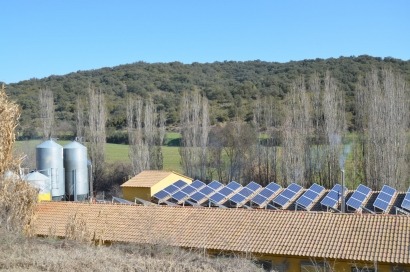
<point x="363" y="237"/>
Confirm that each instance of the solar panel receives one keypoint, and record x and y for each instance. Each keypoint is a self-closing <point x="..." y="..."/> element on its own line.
<point x="215" y="185"/>
<point x="316" y="188"/>
<point x="310" y="195"/>
<point x="225" y="191"/>
<point x="198" y="196"/>
<point x="358" y="197"/>
<point x="166" y="192"/>
<point x="384" y="198"/>
<point x="185" y="192"/>
<point x="333" y="197"/>
<point x="207" y="190"/>
<point x="273" y="186"/>
<point x="294" y="187"/>
<point x="188" y="189"/>
<point x="179" y="196"/>
<point x="266" y="193"/>
<point x="363" y="189"/>
<point x="180" y="183"/>
<point x="406" y="201"/>
<point x="217" y="197"/>
<point x="171" y="188"/>
<point x="281" y="200"/>
<point x="237" y="198"/>
<point x="246" y="192"/>
<point x="253" y="186"/>
<point x="304" y="201"/>
<point x="290" y="192"/>
<point x="198" y="184"/>
<point x="161" y="194"/>
<point x="242" y="196"/>
<point x="259" y="199"/>
<point x="233" y="185"/>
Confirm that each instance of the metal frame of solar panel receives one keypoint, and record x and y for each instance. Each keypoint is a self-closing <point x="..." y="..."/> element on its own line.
<point x="283" y="199"/>
<point x="309" y="196"/>
<point x="166" y="193"/>
<point x="331" y="200"/>
<point x="405" y="204"/>
<point x="245" y="194"/>
<point x="224" y="193"/>
<point x="357" y="199"/>
<point x="385" y="198"/>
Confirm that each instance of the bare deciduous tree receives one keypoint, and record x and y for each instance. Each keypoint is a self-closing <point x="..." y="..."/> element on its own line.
<point x="152" y="136"/>
<point x="146" y="133"/>
<point x="194" y="131"/>
<point x="383" y="108"/>
<point x="96" y="135"/>
<point x="266" y="149"/>
<point x="46" y="102"/>
<point x="295" y="132"/>
<point x="80" y="118"/>
<point x="334" y="127"/>
<point x="138" y="152"/>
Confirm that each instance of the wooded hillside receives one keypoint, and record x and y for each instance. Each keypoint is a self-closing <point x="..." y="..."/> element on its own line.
<point x="229" y="86"/>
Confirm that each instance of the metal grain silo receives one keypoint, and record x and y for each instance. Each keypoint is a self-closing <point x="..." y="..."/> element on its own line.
<point x="49" y="158"/>
<point x="76" y="171"/>
<point x="41" y="182"/>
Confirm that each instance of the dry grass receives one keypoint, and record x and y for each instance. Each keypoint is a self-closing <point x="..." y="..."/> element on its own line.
<point x="17" y="198"/>
<point x="18" y="253"/>
<point x="17" y="202"/>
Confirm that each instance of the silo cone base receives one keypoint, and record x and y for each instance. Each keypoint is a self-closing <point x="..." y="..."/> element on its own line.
<point x="57" y="198"/>
<point x="79" y="197"/>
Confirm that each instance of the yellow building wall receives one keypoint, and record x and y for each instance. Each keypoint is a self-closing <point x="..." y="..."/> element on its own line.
<point x="130" y="193"/>
<point x="44" y="197"/>
<point x="168" y="181"/>
<point x="295" y="264"/>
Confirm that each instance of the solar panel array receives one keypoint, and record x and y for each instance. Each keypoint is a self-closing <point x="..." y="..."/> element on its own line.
<point x="266" y="194"/>
<point x="406" y="201"/>
<point x="287" y="195"/>
<point x="166" y="193"/>
<point x="245" y="194"/>
<point x="188" y="190"/>
<point x="310" y="196"/>
<point x="356" y="201"/>
<point x="385" y="198"/>
<point x="254" y="195"/>
<point x="333" y="197"/>
<point x="203" y="194"/>
<point x="222" y="195"/>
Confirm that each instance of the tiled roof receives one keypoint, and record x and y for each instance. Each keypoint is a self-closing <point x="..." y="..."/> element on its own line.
<point x="147" y="178"/>
<point x="359" y="237"/>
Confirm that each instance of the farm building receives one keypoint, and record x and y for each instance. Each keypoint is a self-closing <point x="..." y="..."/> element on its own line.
<point x="148" y="182"/>
<point x="283" y="240"/>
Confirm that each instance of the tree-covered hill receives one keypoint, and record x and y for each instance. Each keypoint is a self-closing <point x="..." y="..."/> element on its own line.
<point x="230" y="87"/>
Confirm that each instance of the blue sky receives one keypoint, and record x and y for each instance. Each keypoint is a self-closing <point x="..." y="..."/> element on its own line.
<point x="44" y="37"/>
